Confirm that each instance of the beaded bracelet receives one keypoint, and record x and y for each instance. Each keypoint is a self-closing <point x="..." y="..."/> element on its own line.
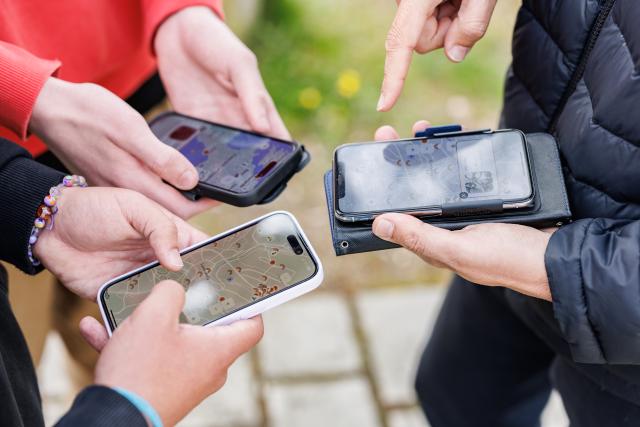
<point x="47" y="210"/>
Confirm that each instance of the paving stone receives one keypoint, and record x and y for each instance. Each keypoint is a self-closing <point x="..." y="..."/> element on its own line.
<point x="343" y="403"/>
<point x="236" y="404"/>
<point x="310" y="335"/>
<point x="554" y="414"/>
<point x="412" y="417"/>
<point x="55" y="384"/>
<point x="396" y="323"/>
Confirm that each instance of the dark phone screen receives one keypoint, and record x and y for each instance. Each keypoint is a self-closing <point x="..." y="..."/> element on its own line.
<point x="419" y="173"/>
<point x="226" y="158"/>
<point x="225" y="275"/>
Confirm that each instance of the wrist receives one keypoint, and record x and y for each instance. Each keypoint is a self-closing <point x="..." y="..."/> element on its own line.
<point x="179" y="24"/>
<point x="46" y="215"/>
<point x="145" y="408"/>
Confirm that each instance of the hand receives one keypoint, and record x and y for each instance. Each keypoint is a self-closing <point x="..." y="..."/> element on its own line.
<point x="210" y="74"/>
<point x="426" y="25"/>
<point x="172" y="366"/>
<point x="97" y="135"/>
<point x="100" y="233"/>
<point x="488" y="254"/>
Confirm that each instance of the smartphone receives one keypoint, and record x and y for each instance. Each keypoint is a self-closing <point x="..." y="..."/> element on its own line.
<point x="235" y="275"/>
<point x="428" y="176"/>
<point x="235" y="166"/>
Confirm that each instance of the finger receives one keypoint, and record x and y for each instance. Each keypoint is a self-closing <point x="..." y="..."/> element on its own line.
<point x="468" y="27"/>
<point x="237" y="338"/>
<point x="420" y="126"/>
<point x="278" y="128"/>
<point x="164" y="304"/>
<point x="401" y="40"/>
<point x="386" y="133"/>
<point x="163" y="160"/>
<point x="147" y="218"/>
<point x="408" y="231"/>
<point x="252" y="93"/>
<point x="94" y="333"/>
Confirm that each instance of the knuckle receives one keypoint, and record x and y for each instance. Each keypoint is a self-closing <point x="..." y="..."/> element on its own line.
<point x="414" y="242"/>
<point x="250" y="58"/>
<point x="473" y="30"/>
<point x="394" y="41"/>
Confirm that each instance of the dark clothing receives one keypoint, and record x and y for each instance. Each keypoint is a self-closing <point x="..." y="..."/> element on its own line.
<point x="485" y="367"/>
<point x="24" y="183"/>
<point x="592" y="328"/>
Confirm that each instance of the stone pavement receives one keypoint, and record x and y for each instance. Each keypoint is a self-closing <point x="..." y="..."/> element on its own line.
<point x="329" y="358"/>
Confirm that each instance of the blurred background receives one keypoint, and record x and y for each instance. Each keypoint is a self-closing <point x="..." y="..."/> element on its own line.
<point x="346" y="354"/>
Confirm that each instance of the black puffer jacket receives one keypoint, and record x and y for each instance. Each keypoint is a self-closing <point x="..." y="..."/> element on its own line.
<point x="594" y="263"/>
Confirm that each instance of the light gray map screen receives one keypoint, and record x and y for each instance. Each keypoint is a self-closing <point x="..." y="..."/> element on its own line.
<point x="223" y="276"/>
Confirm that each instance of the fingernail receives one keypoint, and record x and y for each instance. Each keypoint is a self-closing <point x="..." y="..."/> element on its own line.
<point x="175" y="260"/>
<point x="457" y="53"/>
<point x="188" y="179"/>
<point x="380" y="102"/>
<point x="383" y="229"/>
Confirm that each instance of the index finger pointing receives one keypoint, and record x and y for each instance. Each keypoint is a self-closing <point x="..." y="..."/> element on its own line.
<point x="401" y="41"/>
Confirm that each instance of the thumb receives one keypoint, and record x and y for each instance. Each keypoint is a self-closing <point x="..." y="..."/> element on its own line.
<point x="163" y="160"/>
<point x="93" y="333"/>
<point x="405" y="230"/>
<point x="236" y="338"/>
<point x="163" y="305"/>
<point x="468" y="27"/>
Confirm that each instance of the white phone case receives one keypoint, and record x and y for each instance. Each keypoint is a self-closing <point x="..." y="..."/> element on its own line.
<point x="259" y="306"/>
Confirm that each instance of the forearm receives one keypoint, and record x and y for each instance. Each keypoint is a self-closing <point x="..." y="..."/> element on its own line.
<point x="22" y="76"/>
<point x="594" y="277"/>
<point x="24" y="183"/>
<point x="99" y="406"/>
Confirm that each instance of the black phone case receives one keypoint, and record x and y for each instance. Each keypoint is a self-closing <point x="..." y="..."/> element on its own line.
<point x="550" y="207"/>
<point x="268" y="190"/>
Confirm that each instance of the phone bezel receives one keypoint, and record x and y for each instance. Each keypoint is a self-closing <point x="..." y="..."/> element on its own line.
<point x="427" y="211"/>
<point x="244" y="312"/>
<point x="279" y="174"/>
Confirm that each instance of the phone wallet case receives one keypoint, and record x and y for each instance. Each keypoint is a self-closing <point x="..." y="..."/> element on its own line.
<point x="550" y="208"/>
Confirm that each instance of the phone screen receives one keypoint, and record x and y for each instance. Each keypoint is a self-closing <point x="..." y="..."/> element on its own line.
<point x="227" y="158"/>
<point x="418" y="173"/>
<point x="225" y="275"/>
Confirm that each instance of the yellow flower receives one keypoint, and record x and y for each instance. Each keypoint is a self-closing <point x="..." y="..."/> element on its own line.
<point x="348" y="83"/>
<point x="310" y="98"/>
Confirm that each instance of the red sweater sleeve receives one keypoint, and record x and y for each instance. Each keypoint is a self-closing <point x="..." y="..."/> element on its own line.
<point x="156" y="11"/>
<point x="22" y="76"/>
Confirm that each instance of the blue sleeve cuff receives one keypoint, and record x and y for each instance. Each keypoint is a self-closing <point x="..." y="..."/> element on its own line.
<point x="142" y="405"/>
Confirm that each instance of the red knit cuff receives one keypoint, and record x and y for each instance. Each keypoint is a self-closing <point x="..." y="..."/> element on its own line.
<point x="156" y="11"/>
<point x="22" y="76"/>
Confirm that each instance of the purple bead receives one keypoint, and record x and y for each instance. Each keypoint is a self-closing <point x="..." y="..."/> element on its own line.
<point x="39" y="223"/>
<point x="33" y="239"/>
<point x="67" y="181"/>
<point x="49" y="201"/>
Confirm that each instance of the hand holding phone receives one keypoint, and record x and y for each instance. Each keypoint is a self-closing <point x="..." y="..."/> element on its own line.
<point x="172" y="366"/>
<point x="235" y="275"/>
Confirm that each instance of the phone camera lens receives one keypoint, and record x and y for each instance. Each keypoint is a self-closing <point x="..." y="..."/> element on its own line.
<point x="295" y="245"/>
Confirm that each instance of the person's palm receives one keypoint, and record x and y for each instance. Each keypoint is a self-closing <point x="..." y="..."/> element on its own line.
<point x="209" y="73"/>
<point x="100" y="233"/>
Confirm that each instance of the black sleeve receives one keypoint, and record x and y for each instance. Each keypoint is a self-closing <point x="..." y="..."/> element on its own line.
<point x="99" y="406"/>
<point x="593" y="267"/>
<point x="23" y="185"/>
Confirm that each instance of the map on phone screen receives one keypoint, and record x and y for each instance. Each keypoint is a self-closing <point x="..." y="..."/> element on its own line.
<point x="224" y="157"/>
<point x="225" y="275"/>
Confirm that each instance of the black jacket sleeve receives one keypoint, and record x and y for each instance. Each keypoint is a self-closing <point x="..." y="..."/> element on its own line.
<point x="593" y="267"/>
<point x="23" y="185"/>
<point x="99" y="406"/>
